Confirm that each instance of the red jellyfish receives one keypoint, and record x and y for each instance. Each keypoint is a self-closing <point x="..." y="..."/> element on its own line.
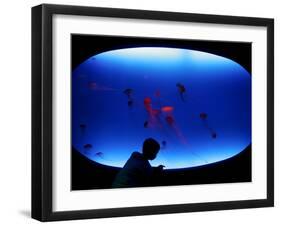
<point x="170" y="120"/>
<point x="204" y="117"/>
<point x="147" y="103"/>
<point x="152" y="113"/>
<point x="167" y="109"/>
<point x="168" y="112"/>
<point x="148" y="107"/>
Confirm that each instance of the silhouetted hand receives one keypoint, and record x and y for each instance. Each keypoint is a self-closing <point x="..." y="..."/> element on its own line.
<point x="159" y="168"/>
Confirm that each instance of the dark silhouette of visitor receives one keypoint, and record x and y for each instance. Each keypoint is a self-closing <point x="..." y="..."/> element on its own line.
<point x="137" y="171"/>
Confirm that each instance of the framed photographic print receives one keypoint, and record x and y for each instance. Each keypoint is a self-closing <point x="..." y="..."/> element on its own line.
<point x="145" y="112"/>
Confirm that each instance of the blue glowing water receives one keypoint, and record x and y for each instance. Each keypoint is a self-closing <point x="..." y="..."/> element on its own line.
<point x="113" y="128"/>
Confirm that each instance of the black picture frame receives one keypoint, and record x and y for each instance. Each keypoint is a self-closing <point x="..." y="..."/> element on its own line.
<point x="42" y="106"/>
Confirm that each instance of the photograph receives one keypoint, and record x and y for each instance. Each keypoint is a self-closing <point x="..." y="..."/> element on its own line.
<point x="159" y="112"/>
<point x="141" y="112"/>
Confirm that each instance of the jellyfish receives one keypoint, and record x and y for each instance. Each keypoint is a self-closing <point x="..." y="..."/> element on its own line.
<point x="204" y="117"/>
<point x="147" y="103"/>
<point x="99" y="154"/>
<point x="87" y="147"/>
<point x="128" y="92"/>
<point x="145" y="124"/>
<point x="170" y="119"/>
<point x="214" y="135"/>
<point x="82" y="127"/>
<point x="171" y="122"/>
<point x="153" y="114"/>
<point x="167" y="109"/>
<point x="182" y="90"/>
<point x="130" y="103"/>
<point x="147" y="106"/>
<point x="164" y="144"/>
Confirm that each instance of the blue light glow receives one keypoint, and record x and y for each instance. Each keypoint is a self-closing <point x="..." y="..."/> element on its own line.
<point x="145" y="52"/>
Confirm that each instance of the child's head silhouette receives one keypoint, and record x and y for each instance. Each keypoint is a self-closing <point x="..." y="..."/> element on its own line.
<point x="150" y="148"/>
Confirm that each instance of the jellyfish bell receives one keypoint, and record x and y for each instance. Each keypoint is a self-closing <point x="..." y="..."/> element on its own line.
<point x="99" y="154"/>
<point x="164" y="144"/>
<point x="147" y="104"/>
<point x="147" y="101"/>
<point x="203" y="116"/>
<point x="214" y="135"/>
<point x="181" y="87"/>
<point x="155" y="112"/>
<point x="88" y="146"/>
<point x="145" y="124"/>
<point x="167" y="109"/>
<point x="128" y="92"/>
<point x="82" y="126"/>
<point x="130" y="103"/>
<point x="170" y="120"/>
